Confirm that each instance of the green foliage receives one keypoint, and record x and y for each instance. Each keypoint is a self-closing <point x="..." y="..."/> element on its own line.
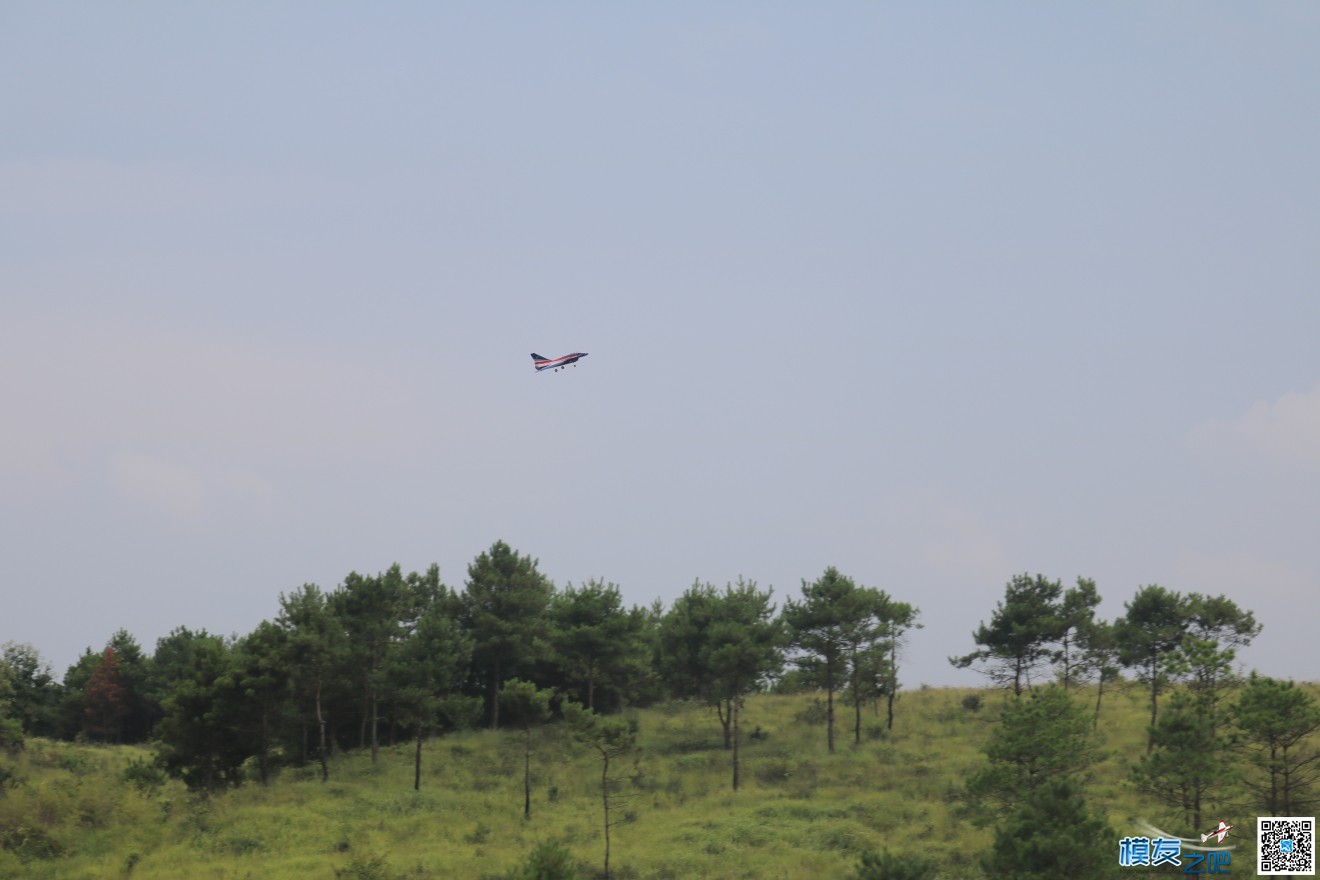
<point x="32" y="693"/>
<point x="549" y="861"/>
<point x="1187" y="769"/>
<point x="1053" y="834"/>
<point x="504" y="609"/>
<point x="11" y="736"/>
<point x="598" y="645"/>
<point x="1040" y="739"/>
<point x="363" y="866"/>
<point x="143" y="774"/>
<point x="196" y="736"/>
<point x="804" y="814"/>
<point x="1148" y="635"/>
<point x="1022" y="630"/>
<point x="885" y="865"/>
<point x="1277" y="722"/>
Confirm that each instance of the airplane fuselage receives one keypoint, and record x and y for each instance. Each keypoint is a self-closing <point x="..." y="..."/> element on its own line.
<point x="544" y="363"/>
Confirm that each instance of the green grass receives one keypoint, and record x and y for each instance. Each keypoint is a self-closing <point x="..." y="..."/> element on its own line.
<point x="69" y="814"/>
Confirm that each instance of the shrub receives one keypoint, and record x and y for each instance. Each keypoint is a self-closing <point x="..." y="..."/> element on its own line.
<point x="972" y="702"/>
<point x="815" y="713"/>
<point x="363" y="867"/>
<point x="549" y="861"/>
<point x="29" y="843"/>
<point x="886" y="866"/>
<point x="143" y="775"/>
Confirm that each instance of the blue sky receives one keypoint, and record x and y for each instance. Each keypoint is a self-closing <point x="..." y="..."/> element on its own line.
<point x="934" y="293"/>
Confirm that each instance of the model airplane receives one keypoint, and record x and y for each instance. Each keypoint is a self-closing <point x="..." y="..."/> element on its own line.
<point x="545" y="363"/>
<point x="1217" y="833"/>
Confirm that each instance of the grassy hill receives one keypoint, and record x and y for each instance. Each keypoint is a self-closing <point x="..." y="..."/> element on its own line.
<point x="72" y="812"/>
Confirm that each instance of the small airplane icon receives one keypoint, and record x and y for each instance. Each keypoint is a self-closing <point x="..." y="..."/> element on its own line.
<point x="545" y="363"/>
<point x="1217" y="833"/>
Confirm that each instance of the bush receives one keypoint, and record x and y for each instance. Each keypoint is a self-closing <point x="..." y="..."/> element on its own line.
<point x="1052" y="834"/>
<point x="363" y="867"/>
<point x="29" y="843"/>
<point x="143" y="775"/>
<point x="549" y="861"/>
<point x="11" y="736"/>
<point x="815" y="714"/>
<point x="972" y="702"/>
<point x="886" y="866"/>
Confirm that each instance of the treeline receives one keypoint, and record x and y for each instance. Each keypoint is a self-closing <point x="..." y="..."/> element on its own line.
<point x="1216" y="743"/>
<point x="392" y="657"/>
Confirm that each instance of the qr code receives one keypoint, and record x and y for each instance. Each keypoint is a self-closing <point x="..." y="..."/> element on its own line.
<point x="1287" y="845"/>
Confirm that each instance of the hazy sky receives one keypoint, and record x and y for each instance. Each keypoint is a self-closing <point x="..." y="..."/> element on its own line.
<point x="935" y="293"/>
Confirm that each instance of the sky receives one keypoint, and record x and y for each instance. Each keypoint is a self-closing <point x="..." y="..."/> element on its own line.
<point x="935" y="293"/>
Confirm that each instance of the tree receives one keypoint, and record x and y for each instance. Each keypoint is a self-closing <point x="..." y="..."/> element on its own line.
<point x="611" y="739"/>
<point x="526" y="707"/>
<point x="261" y="685"/>
<point x="1149" y="634"/>
<point x="11" y="729"/>
<point x="375" y="612"/>
<point x="1052" y="834"/>
<point x="899" y="618"/>
<point x="200" y="738"/>
<point x="828" y="628"/>
<point x="720" y="646"/>
<point x="1215" y="629"/>
<point x="426" y="671"/>
<point x="1276" y="721"/>
<point x="1076" y="622"/>
<point x="315" y="645"/>
<point x="105" y="700"/>
<point x="1097" y="648"/>
<point x="1186" y="768"/>
<point x="36" y="694"/>
<point x="596" y="641"/>
<point x="1024" y="626"/>
<point x="872" y="639"/>
<point x="504" y="608"/>
<point x="1040" y="739"/>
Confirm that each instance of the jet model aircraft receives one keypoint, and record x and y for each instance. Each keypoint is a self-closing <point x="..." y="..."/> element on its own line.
<point x="1217" y="833"/>
<point x="545" y="363"/>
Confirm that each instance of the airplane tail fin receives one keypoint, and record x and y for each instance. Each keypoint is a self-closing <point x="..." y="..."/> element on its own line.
<point x="537" y="357"/>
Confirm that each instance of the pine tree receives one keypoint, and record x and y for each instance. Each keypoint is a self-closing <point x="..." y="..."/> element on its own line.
<point x="105" y="700"/>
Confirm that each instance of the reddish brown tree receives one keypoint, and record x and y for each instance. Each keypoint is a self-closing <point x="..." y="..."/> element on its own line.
<point x="105" y="700"/>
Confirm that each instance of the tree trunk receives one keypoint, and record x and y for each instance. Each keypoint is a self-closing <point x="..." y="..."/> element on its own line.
<point x="726" y="720"/>
<point x="891" y="686"/>
<point x="1099" y="695"/>
<point x="605" y="803"/>
<point x="366" y="715"/>
<point x="1154" y="699"/>
<point x="737" y="704"/>
<point x="262" y="766"/>
<point x="417" y="765"/>
<point x="320" y="721"/>
<point x="495" y="695"/>
<point x="527" y="775"/>
<point x="829" y="712"/>
<point x="375" y="718"/>
<point x="857" y="705"/>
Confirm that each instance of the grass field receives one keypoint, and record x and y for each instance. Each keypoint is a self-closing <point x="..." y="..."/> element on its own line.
<point x="69" y="813"/>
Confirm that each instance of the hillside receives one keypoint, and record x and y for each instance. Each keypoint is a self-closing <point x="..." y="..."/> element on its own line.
<point x="70" y="812"/>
